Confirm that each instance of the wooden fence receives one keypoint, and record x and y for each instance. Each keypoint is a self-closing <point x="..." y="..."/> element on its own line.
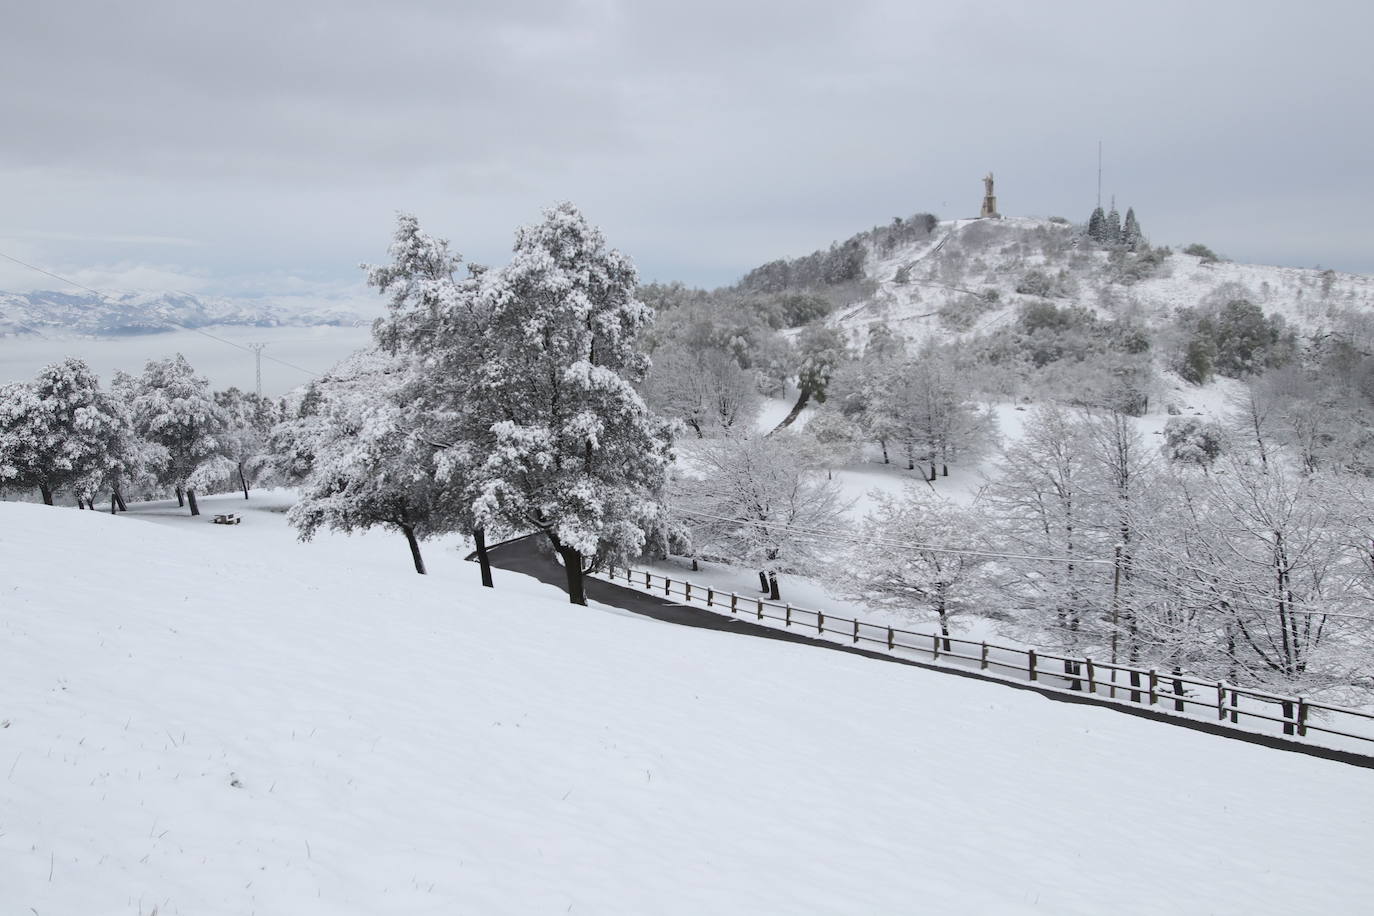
<point x="1167" y="691"/>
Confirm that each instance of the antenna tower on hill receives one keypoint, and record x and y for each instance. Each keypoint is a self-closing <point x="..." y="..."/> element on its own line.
<point x="257" y="356"/>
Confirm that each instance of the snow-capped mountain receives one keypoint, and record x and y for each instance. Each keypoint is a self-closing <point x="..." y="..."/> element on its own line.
<point x="128" y="313"/>
<point x="972" y="275"/>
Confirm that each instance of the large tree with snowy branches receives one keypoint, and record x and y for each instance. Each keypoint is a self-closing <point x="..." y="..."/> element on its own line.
<point x="573" y="452"/>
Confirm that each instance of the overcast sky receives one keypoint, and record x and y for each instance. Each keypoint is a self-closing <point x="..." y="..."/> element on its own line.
<point x="263" y="148"/>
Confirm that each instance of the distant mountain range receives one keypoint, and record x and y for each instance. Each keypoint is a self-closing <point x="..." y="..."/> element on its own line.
<point x="129" y="313"/>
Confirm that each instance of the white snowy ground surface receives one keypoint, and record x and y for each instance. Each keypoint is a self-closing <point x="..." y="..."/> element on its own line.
<point x="209" y="719"/>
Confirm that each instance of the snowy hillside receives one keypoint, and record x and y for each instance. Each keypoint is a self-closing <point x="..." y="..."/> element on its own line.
<point x="201" y="719"/>
<point x="964" y="279"/>
<point x="125" y="313"/>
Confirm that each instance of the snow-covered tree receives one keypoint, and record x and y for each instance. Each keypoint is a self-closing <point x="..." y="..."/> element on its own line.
<point x="437" y="323"/>
<point x="1192" y="441"/>
<point x="1131" y="236"/>
<point x="706" y="390"/>
<point x="173" y="408"/>
<point x="366" y="470"/>
<point x="1097" y="225"/>
<point x="249" y="420"/>
<point x="60" y="432"/>
<point x="575" y="452"/>
<point x="26" y="440"/>
<point x="918" y="552"/>
<point x="832" y="439"/>
<point x="1042" y="497"/>
<point x="759" y="501"/>
<point x="821" y="350"/>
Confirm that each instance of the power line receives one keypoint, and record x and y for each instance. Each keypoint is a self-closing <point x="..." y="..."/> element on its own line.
<point x="202" y="333"/>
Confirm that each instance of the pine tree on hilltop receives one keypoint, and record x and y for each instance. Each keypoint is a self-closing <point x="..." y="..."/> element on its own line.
<point x="1130" y="233"/>
<point x="1097" y="224"/>
<point x="1111" y="230"/>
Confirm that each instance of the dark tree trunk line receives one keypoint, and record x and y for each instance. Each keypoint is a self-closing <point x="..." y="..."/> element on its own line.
<point x="479" y="540"/>
<point x="181" y="498"/>
<point x="191" y="500"/>
<point x="243" y="480"/>
<point x="47" y="493"/>
<point x="409" y="532"/>
<point x="794" y="412"/>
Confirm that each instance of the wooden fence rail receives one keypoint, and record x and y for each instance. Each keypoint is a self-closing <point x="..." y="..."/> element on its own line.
<point x="1170" y="691"/>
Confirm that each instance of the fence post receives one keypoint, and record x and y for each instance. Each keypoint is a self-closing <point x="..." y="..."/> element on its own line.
<point x="710" y="596"/>
<point x="1221" y="701"/>
<point x="686" y="591"/>
<point x="646" y="579"/>
<point x="1288" y="718"/>
<point x="734" y="602"/>
<point x="889" y="639"/>
<point x="760" y="609"/>
<point x="666" y="583"/>
<point x="983" y="660"/>
<point x="1030" y="664"/>
<point x="1302" y="717"/>
<point x="856" y="631"/>
<point x="935" y="645"/>
<point x="787" y="618"/>
<point x="820" y="622"/>
<point x="1235" y="706"/>
<point x="1154" y="686"/>
<point x="1092" y="676"/>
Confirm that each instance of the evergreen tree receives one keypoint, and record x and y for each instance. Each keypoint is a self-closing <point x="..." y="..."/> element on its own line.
<point x="1111" y="228"/>
<point x="1131" y="237"/>
<point x="1097" y="226"/>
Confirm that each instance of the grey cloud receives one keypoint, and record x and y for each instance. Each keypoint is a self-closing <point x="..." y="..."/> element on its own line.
<point x="704" y="137"/>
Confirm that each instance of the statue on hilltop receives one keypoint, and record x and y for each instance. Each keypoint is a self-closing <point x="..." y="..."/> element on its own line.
<point x="989" y="200"/>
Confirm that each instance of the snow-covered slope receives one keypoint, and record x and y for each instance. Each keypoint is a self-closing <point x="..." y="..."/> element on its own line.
<point x="967" y="260"/>
<point x="56" y="313"/>
<point x="207" y="719"/>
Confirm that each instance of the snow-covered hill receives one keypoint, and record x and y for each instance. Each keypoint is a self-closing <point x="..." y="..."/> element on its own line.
<point x="207" y="719"/>
<point x="964" y="278"/>
<point x="126" y="313"/>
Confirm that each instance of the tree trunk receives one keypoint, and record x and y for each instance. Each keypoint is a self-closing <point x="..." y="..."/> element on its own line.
<point x="479" y="538"/>
<point x="243" y="480"/>
<point x="773" y="586"/>
<point x="944" y="470"/>
<point x="696" y="567"/>
<point x="794" y="412"/>
<point x="1178" y="689"/>
<point x="944" y="631"/>
<point x="409" y="532"/>
<point x="119" y="500"/>
<point x="763" y="582"/>
<point x="114" y="506"/>
<point x="47" y="493"/>
<point x="883" y="443"/>
<point x="80" y="503"/>
<point x="181" y="498"/>
<point x="191" y="499"/>
<point x="572" y="566"/>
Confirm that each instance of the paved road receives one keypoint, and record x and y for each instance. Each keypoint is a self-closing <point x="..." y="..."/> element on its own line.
<point x="530" y="556"/>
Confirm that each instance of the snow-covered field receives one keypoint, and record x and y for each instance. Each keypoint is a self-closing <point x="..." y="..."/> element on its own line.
<point x="207" y="719"/>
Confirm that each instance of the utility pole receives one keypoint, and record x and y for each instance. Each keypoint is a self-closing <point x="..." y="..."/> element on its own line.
<point x="1099" y="174"/>
<point x="257" y="355"/>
